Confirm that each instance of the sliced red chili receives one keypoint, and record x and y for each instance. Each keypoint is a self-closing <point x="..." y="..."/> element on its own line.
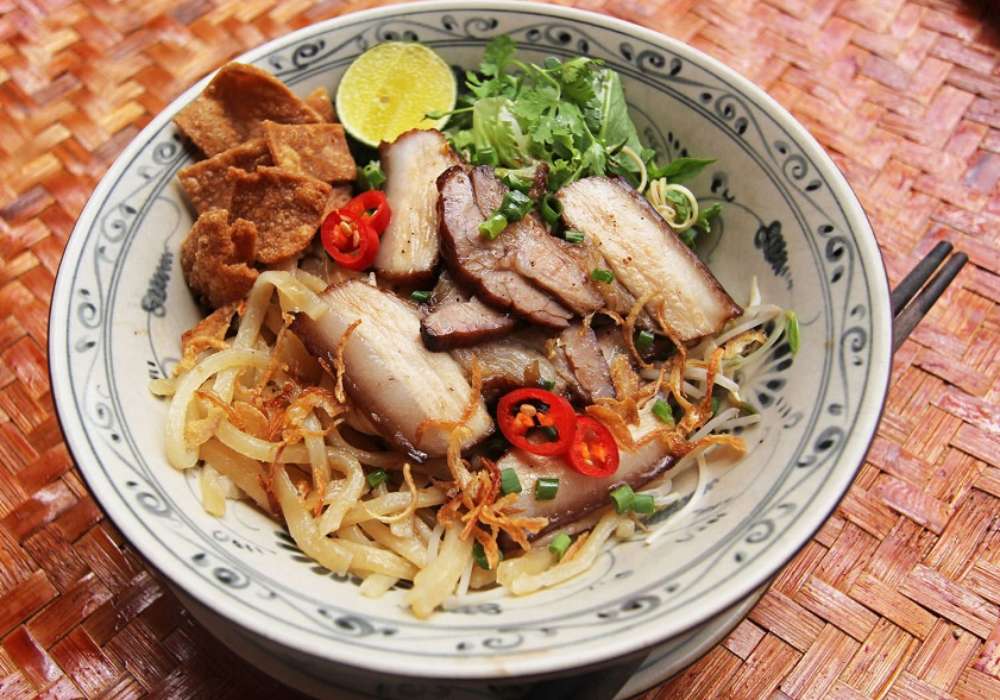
<point x="349" y="240"/>
<point x="373" y="207"/>
<point x="537" y="421"/>
<point x="594" y="451"/>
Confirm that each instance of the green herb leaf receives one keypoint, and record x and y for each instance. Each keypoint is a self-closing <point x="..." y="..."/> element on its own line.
<point x="509" y="483"/>
<point x="680" y="169"/>
<point x="644" y="341"/>
<point x="547" y="384"/>
<point x="706" y="215"/>
<point x="479" y="555"/>
<point x="546" y="488"/>
<point x="551" y="209"/>
<point x="559" y="544"/>
<point x="420" y="296"/>
<point x="574" y="236"/>
<point x="514" y="206"/>
<point x="376" y="478"/>
<point x="623" y="497"/>
<point x="599" y="275"/>
<point x="663" y="412"/>
<point x="371" y="177"/>
<point x="643" y="504"/>
<point x="493" y="226"/>
<point x="497" y="55"/>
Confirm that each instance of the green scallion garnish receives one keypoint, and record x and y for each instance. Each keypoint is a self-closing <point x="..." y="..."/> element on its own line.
<point x="792" y="331"/>
<point x="559" y="544"/>
<point x="663" y="412"/>
<point x="547" y="384"/>
<point x="509" y="483"/>
<point x="420" y="296"/>
<point x="599" y="275"/>
<point x="644" y="341"/>
<point x="493" y="226"/>
<point x="515" y="205"/>
<point x="715" y="405"/>
<point x="371" y="176"/>
<point x="573" y="236"/>
<point x="623" y="497"/>
<point x="551" y="209"/>
<point x="643" y="504"/>
<point x="479" y="554"/>
<point x="485" y="156"/>
<point x="546" y="488"/>
<point x="376" y="478"/>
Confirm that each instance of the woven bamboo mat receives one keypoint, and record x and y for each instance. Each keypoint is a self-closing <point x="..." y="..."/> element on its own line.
<point x="899" y="593"/>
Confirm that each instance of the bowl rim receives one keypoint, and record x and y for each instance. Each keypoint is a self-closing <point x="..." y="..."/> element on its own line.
<point x="515" y="665"/>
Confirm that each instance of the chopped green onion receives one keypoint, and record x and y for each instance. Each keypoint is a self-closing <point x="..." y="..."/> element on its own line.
<point x="643" y="504"/>
<point x="573" y="236"/>
<point x="486" y="156"/>
<point x="547" y="384"/>
<point x="599" y="275"/>
<point x="493" y="226"/>
<point x="371" y="176"/>
<point x="551" y="209"/>
<point x="623" y="498"/>
<point x="662" y="410"/>
<point x="546" y="488"/>
<point x="559" y="544"/>
<point x="509" y="483"/>
<point x="715" y="405"/>
<point x="421" y="296"/>
<point x="377" y="477"/>
<point x="516" y="181"/>
<point x="479" y="554"/>
<point x="515" y="205"/>
<point x="644" y="341"/>
<point x="792" y="331"/>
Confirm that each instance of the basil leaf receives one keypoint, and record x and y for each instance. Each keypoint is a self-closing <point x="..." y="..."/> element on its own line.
<point x="680" y="169"/>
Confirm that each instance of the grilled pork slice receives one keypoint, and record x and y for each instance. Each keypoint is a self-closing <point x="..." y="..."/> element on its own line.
<point x="579" y="495"/>
<point x="542" y="259"/>
<point x="409" y="248"/>
<point x="389" y="375"/>
<point x="520" y="359"/>
<point x="585" y="359"/>
<point x="479" y="263"/>
<point x="458" y="319"/>
<point x="647" y="257"/>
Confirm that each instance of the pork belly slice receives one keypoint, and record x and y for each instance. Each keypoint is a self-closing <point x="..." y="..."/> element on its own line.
<point x="580" y="495"/>
<point x="519" y="359"/>
<point x="479" y="263"/>
<point x="395" y="381"/>
<point x="409" y="248"/>
<point x="458" y="319"/>
<point x="646" y="256"/>
<point x="590" y="368"/>
<point x="544" y="260"/>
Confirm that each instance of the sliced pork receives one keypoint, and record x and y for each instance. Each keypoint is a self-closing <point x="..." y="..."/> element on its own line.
<point x="463" y="323"/>
<point x="647" y="257"/>
<point x="409" y="247"/>
<point x="583" y="354"/>
<point x="579" y="495"/>
<point x="480" y="263"/>
<point x="519" y="359"/>
<point x="389" y="375"/>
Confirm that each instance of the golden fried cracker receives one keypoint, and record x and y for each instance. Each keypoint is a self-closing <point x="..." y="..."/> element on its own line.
<point x="216" y="257"/>
<point x="315" y="150"/>
<point x="206" y="181"/>
<point x="319" y="100"/>
<point x="286" y="209"/>
<point x="233" y="106"/>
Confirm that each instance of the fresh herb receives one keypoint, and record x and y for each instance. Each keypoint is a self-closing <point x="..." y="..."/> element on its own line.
<point x="599" y="275"/>
<point x="551" y="209"/>
<point x="573" y="236"/>
<point x="792" y="331"/>
<point x="644" y="341"/>
<point x="509" y="483"/>
<point x="716" y="404"/>
<point x="559" y="544"/>
<point x="376" y="478"/>
<point x="514" y="206"/>
<point x="571" y="114"/>
<point x="547" y="384"/>
<point x="623" y="497"/>
<point x="521" y="179"/>
<point x="680" y="169"/>
<point x="706" y="215"/>
<point x="371" y="177"/>
<point x="546" y="488"/>
<point x="643" y="504"/>
<point x="479" y="555"/>
<point x="493" y="226"/>
<point x="421" y="296"/>
<point x="663" y="412"/>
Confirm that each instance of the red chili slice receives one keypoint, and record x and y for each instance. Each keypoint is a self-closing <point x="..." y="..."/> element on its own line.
<point x="372" y="201"/>
<point x="594" y="451"/>
<point x="351" y="241"/>
<point x="537" y="421"/>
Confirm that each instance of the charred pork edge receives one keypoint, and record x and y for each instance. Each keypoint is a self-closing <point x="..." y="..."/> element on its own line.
<point x="302" y="327"/>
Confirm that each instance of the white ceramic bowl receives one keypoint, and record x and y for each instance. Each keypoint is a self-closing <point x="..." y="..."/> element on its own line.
<point x="120" y="304"/>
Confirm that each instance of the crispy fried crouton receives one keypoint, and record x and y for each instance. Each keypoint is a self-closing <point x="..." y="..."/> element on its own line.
<point x="286" y="209"/>
<point x="316" y="150"/>
<point x="206" y="181"/>
<point x="216" y="258"/>
<point x="232" y="108"/>
<point x="319" y="100"/>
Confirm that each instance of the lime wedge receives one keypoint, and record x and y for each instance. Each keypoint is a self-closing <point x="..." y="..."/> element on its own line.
<point x="390" y="87"/>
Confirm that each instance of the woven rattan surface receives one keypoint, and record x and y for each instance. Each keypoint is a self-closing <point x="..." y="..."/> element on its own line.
<point x="897" y="596"/>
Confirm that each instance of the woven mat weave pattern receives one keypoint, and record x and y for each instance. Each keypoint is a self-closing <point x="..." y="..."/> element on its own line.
<point x="897" y="596"/>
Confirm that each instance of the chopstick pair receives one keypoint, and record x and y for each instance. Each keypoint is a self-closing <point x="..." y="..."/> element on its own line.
<point x="909" y="307"/>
